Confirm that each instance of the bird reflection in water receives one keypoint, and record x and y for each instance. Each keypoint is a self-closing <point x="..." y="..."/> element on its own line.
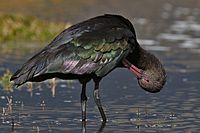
<point x="100" y="130"/>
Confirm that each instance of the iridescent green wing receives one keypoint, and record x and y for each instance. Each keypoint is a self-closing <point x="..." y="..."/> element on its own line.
<point x="95" y="53"/>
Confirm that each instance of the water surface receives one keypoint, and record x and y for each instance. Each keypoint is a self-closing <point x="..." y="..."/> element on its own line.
<point x="174" y="40"/>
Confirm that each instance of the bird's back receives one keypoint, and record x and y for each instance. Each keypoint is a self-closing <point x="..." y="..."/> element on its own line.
<point x="99" y="24"/>
<point x="95" y="46"/>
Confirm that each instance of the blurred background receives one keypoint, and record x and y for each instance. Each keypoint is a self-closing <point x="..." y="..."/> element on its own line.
<point x="169" y="29"/>
<point x="158" y="14"/>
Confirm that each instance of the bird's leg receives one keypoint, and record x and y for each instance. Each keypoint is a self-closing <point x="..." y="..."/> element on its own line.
<point x="97" y="99"/>
<point x="83" y="126"/>
<point x="83" y="101"/>
<point x="103" y="124"/>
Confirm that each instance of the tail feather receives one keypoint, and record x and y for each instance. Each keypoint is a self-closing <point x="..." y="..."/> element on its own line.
<point x="31" y="68"/>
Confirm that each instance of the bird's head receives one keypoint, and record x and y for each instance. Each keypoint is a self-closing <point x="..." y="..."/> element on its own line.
<point x="151" y="80"/>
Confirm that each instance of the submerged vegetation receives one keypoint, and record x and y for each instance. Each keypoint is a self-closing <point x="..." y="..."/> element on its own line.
<point x="27" y="28"/>
<point x="8" y="87"/>
<point x="5" y="81"/>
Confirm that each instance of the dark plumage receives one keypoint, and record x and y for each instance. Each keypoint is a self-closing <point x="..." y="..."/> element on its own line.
<point x="90" y="50"/>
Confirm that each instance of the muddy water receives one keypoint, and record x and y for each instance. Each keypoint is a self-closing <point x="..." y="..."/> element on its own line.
<point x="176" y="108"/>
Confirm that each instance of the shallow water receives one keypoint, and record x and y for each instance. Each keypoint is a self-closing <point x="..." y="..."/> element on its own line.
<point x="128" y="108"/>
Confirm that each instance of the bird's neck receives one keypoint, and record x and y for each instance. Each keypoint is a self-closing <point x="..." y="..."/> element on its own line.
<point x="145" y="60"/>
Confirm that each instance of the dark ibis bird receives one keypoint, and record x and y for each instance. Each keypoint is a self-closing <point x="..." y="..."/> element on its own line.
<point x="90" y="50"/>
